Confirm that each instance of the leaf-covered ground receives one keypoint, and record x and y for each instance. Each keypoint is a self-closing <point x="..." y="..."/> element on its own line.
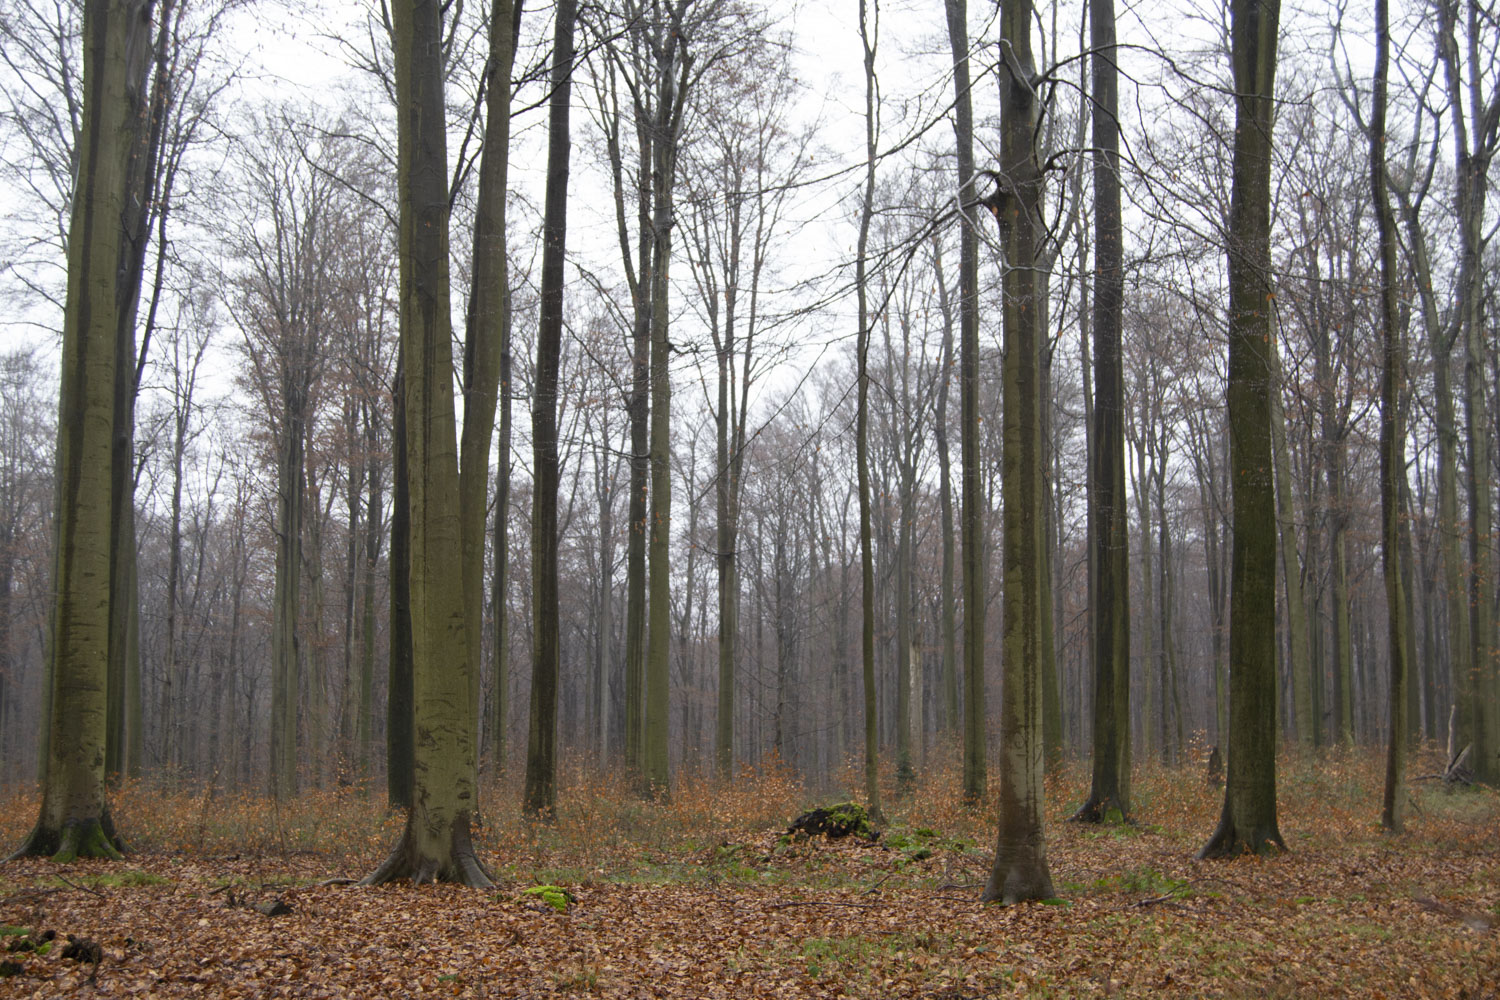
<point x="702" y="897"/>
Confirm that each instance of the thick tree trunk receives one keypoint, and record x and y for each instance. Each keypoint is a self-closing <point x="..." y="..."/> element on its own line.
<point x="1020" y="870"/>
<point x="74" y="818"/>
<point x="435" y="843"/>
<point x="1248" y="821"/>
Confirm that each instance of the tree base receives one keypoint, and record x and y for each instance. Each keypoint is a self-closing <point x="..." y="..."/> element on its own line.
<point x="461" y="866"/>
<point x="90" y="838"/>
<point x="1022" y="882"/>
<point x="1229" y="841"/>
<point x="1105" y="811"/>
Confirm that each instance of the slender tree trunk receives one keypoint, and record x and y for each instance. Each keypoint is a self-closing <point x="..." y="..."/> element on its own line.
<point x="540" y="797"/>
<point x="375" y="502"/>
<point x="1392" y="442"/>
<point x="673" y="61"/>
<point x="971" y="486"/>
<point x="487" y="338"/>
<point x="1469" y="107"/>
<point x="399" y="734"/>
<point x="1108" y="527"/>
<point x="947" y="618"/>
<point x="1291" y="571"/>
<point x="868" y="34"/>
<point x="500" y="582"/>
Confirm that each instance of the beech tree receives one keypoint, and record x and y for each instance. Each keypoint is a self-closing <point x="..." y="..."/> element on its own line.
<point x="971" y="491"/>
<point x="435" y="843"/>
<point x="541" y="742"/>
<point x="1248" y="820"/>
<point x="1020" y="870"/>
<point x="74" y="819"/>
<point x="1108" y="539"/>
<point x="1392" y="434"/>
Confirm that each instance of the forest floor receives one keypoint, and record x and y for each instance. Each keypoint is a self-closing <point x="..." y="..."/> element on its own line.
<point x="702" y="897"/>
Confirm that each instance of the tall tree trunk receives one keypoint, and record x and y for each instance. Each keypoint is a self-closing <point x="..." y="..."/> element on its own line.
<point x="1470" y="108"/>
<point x="399" y="734"/>
<point x="1020" y="870"/>
<point x="673" y="61"/>
<point x="487" y="338"/>
<point x="435" y="844"/>
<point x="374" y="504"/>
<point x="74" y="820"/>
<point x="540" y="797"/>
<point x="971" y="486"/>
<point x="1248" y="821"/>
<point x="868" y="35"/>
<point x="1392" y="441"/>
<point x="1108" y="525"/>
<point x="947" y="618"/>
<point x="1306" y="723"/>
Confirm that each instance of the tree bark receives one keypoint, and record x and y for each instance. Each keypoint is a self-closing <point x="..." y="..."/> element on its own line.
<point x="1248" y="821"/>
<point x="1109" y="535"/>
<point x="540" y="797"/>
<point x="1020" y="870"/>
<point x="1392" y="441"/>
<point x="74" y="816"/>
<point x="971" y="487"/>
<point x="868" y="34"/>
<point x="435" y="844"/>
<point x="487" y="338"/>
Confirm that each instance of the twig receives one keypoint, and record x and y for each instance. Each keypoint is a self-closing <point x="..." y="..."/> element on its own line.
<point x="27" y="895"/>
<point x="878" y="884"/>
<point x="1165" y="897"/>
<point x="63" y="878"/>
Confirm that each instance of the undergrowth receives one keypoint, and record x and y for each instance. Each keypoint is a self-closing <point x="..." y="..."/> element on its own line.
<point x="1326" y="802"/>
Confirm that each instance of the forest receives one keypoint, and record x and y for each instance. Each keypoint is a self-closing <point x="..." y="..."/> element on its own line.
<point x="548" y="449"/>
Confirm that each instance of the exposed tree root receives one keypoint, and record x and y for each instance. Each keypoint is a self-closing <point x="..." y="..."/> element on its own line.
<point x="90" y="838"/>
<point x="1022" y="882"/>
<point x="1105" y="810"/>
<point x="1229" y="841"/>
<point x="461" y="866"/>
